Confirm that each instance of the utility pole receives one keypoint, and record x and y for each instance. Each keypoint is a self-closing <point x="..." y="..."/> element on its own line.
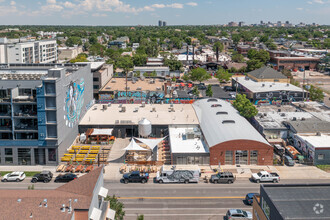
<point x="304" y="84"/>
<point x="126" y="87"/>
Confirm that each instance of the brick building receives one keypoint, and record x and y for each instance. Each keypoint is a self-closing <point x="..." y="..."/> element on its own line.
<point x="230" y="137"/>
<point x="243" y="49"/>
<point x="294" y="63"/>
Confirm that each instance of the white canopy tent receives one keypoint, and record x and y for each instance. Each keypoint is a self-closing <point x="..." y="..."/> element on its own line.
<point x="152" y="143"/>
<point x="134" y="146"/>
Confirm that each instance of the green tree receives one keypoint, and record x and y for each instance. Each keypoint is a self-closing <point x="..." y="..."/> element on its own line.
<point x="71" y="41"/>
<point x="236" y="38"/>
<point x="219" y="45"/>
<point x="239" y="58"/>
<point x="253" y="64"/>
<point x="82" y="57"/>
<point x="244" y="106"/>
<point x="140" y="59"/>
<point x="195" y="91"/>
<point x="117" y="206"/>
<point x="199" y="74"/>
<point x="92" y="40"/>
<point x="140" y="217"/>
<point x="173" y="63"/>
<point x="223" y="75"/>
<point x="316" y="94"/>
<point x="209" y="91"/>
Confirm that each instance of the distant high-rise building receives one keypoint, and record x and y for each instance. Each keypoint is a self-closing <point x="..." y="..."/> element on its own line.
<point x="261" y="22"/>
<point x="160" y="23"/>
<point x="164" y="23"/>
<point x="287" y="22"/>
<point x="232" y="24"/>
<point x="241" y="23"/>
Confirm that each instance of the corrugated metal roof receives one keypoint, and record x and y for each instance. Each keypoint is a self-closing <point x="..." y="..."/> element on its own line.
<point x="220" y="128"/>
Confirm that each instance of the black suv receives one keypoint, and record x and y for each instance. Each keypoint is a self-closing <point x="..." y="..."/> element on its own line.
<point x="44" y="176"/>
<point x="223" y="177"/>
<point x="65" y="178"/>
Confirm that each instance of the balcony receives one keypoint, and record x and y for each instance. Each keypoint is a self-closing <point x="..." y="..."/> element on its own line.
<point x="25" y="115"/>
<point x="5" y="128"/>
<point x="26" y="127"/>
<point x="5" y="114"/>
<point x="5" y="100"/>
<point x="24" y="99"/>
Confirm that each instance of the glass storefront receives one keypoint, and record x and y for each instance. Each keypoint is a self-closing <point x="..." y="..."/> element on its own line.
<point x="229" y="157"/>
<point x="24" y="156"/>
<point x="241" y="157"/>
<point x="199" y="160"/>
<point x="253" y="157"/>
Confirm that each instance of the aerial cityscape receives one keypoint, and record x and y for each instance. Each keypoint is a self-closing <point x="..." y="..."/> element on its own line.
<point x="152" y="110"/>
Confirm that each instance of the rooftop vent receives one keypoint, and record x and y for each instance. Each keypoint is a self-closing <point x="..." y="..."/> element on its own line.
<point x="228" y="122"/>
<point x="222" y="113"/>
<point x="19" y="200"/>
<point x="212" y="100"/>
<point x="263" y="85"/>
<point x="63" y="208"/>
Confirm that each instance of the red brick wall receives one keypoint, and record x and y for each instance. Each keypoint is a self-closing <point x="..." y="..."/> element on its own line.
<point x="218" y="152"/>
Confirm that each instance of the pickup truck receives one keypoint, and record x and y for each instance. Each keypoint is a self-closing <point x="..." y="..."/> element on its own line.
<point x="264" y="176"/>
<point x="135" y="176"/>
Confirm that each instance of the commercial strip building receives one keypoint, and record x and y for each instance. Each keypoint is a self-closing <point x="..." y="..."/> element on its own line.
<point x="138" y="90"/>
<point x="44" y="51"/>
<point x="40" y="108"/>
<point x="267" y="74"/>
<point x="268" y="92"/>
<point x="82" y="198"/>
<point x="294" y="63"/>
<point x="208" y="131"/>
<point x="292" y="201"/>
<point x="154" y="71"/>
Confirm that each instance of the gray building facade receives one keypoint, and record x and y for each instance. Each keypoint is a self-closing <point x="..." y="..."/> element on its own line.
<point x="40" y="108"/>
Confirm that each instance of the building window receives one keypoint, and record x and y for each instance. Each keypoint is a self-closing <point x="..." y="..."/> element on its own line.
<point x="24" y="156"/>
<point x="253" y="157"/>
<point x="8" y="151"/>
<point x="265" y="208"/>
<point x="52" y="154"/>
<point x="8" y="160"/>
<point x="229" y="157"/>
<point x="241" y="157"/>
<point x="95" y="86"/>
<point x="95" y="79"/>
<point x="320" y="157"/>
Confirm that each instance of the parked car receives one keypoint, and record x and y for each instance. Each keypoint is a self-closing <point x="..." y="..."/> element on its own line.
<point x="65" y="178"/>
<point x="135" y="176"/>
<point x="223" y="177"/>
<point x="238" y="214"/>
<point x="264" y="176"/>
<point x="44" y="176"/>
<point x="178" y="175"/>
<point x="249" y="198"/>
<point x="201" y="86"/>
<point x="14" y="176"/>
<point x="288" y="161"/>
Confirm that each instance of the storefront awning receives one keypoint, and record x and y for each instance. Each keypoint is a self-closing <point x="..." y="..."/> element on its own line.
<point x="102" y="131"/>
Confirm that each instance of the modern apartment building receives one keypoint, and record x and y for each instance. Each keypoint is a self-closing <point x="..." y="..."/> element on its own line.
<point x="44" y="51"/>
<point x="40" y="108"/>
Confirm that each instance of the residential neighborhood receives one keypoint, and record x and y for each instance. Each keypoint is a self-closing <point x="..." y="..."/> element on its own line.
<point x="153" y="119"/>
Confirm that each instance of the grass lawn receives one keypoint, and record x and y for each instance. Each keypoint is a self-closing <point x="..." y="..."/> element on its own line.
<point x="27" y="173"/>
<point x="324" y="167"/>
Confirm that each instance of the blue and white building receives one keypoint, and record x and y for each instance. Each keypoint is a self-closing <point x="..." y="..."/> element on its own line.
<point x="40" y="108"/>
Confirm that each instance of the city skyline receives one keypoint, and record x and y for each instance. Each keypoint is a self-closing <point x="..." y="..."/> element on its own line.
<point x="180" y="12"/>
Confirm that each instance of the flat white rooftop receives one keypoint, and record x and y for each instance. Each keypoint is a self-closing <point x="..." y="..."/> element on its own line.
<point x="180" y="144"/>
<point x="256" y="87"/>
<point x="322" y="141"/>
<point x="184" y="114"/>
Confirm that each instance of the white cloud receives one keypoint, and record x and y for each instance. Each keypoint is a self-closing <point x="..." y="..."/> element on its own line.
<point x="192" y="4"/>
<point x="99" y="15"/>
<point x="69" y="5"/>
<point x="318" y="2"/>
<point x="175" y="5"/>
<point x="158" y="6"/>
<point x="12" y="3"/>
<point x="52" y="2"/>
<point x="299" y="9"/>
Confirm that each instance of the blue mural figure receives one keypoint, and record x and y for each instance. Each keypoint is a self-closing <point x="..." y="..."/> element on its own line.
<point x="74" y="101"/>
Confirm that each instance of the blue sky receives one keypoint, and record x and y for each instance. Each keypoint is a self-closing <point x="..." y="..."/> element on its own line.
<point x="148" y="12"/>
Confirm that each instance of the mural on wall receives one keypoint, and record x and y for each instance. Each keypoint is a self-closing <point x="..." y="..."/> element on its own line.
<point x="73" y="102"/>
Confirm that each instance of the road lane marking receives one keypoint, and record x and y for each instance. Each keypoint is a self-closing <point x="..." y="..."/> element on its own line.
<point x="220" y="197"/>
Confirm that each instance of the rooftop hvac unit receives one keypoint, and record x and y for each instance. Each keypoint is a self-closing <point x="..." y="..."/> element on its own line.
<point x="263" y="85"/>
<point x="104" y="107"/>
<point x="143" y="104"/>
<point x="153" y="109"/>
<point x="123" y="109"/>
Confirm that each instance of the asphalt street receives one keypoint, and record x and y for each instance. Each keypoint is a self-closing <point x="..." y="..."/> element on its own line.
<point x="186" y="201"/>
<point x="174" y="201"/>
